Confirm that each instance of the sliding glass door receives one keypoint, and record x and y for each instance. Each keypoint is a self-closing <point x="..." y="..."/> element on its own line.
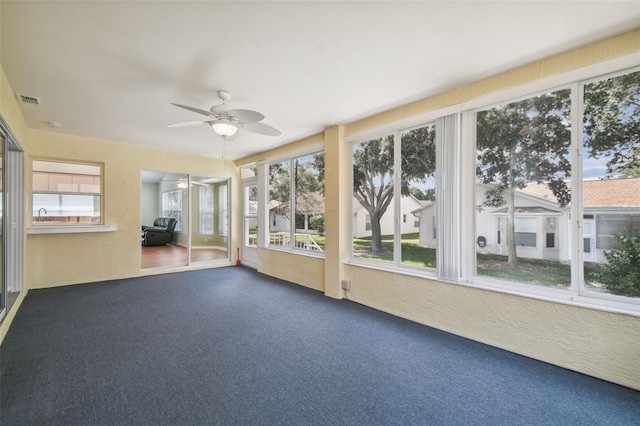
<point x="209" y="218"/>
<point x="11" y="218"/>
<point x="199" y="206"/>
<point x="3" y="294"/>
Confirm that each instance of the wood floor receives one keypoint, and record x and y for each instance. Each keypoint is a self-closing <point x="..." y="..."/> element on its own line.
<point x="173" y="255"/>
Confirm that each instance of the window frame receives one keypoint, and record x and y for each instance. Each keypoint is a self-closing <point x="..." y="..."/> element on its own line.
<point x="396" y="265"/>
<point x="574" y="295"/>
<point x="264" y="238"/>
<point x="100" y="194"/>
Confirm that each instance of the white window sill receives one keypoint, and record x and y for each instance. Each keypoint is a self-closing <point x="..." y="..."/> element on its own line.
<point x="70" y="229"/>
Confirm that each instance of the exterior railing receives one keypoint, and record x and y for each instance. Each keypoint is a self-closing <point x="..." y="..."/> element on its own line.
<point x="302" y="241"/>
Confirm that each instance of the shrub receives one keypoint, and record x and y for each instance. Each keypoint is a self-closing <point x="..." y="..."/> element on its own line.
<point x="317" y="222"/>
<point x="622" y="275"/>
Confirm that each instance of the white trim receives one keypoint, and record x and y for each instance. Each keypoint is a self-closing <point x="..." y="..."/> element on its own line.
<point x="70" y="229"/>
<point x="403" y="125"/>
<point x="312" y="149"/>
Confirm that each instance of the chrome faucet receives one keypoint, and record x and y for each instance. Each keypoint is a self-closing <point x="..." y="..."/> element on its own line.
<point x="40" y="211"/>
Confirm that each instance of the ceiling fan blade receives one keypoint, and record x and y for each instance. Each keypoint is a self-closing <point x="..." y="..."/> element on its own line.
<point x="262" y="129"/>
<point x="188" y="123"/>
<point x="198" y="110"/>
<point x="245" y="115"/>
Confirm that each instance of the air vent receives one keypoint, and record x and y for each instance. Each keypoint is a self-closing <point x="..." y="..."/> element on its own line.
<point x="28" y="99"/>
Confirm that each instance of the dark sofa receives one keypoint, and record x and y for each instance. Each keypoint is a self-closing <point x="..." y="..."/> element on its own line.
<point x="160" y="233"/>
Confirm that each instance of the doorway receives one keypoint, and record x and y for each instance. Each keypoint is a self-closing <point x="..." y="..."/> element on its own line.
<point x="199" y="206"/>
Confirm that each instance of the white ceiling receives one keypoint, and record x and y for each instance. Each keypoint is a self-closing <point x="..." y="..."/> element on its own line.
<point x="109" y="70"/>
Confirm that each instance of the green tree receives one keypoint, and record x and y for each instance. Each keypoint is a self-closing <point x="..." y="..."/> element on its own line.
<point x="428" y="194"/>
<point x="308" y="178"/>
<point x="612" y="123"/>
<point x="520" y="143"/>
<point x="373" y="172"/>
<point x="279" y="188"/>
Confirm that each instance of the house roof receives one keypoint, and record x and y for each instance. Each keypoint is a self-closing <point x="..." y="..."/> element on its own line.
<point x="308" y="203"/>
<point x="598" y="193"/>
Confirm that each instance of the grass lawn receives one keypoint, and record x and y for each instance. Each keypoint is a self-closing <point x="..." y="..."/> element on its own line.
<point x="411" y="253"/>
<point x="541" y="272"/>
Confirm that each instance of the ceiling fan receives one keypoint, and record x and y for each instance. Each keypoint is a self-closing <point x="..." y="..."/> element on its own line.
<point x="226" y="120"/>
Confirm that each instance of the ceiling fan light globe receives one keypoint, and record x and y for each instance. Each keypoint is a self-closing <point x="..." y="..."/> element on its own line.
<point x="224" y="128"/>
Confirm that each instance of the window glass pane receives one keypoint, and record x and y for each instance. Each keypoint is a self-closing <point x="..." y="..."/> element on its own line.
<point x="611" y="187"/>
<point x="279" y="205"/>
<point x="205" y="208"/>
<point x="248" y="172"/>
<point x="523" y="169"/>
<point x="172" y="206"/>
<point x="417" y="205"/>
<point x="251" y="233"/>
<point x="309" y="202"/>
<point x="66" y="193"/>
<point x="550" y="232"/>
<point x="373" y="196"/>
<point x="250" y="206"/>
<point x="251" y="200"/>
<point x="223" y="210"/>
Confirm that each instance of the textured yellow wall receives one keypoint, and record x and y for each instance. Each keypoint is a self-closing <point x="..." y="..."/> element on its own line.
<point x="304" y="270"/>
<point x="61" y="259"/>
<point x="596" y="343"/>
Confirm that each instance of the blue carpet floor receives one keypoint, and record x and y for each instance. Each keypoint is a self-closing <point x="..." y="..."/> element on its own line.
<point x="231" y="346"/>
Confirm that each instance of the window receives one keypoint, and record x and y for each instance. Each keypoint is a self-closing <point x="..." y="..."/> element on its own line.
<point x="550" y="232"/>
<point x="522" y="168"/>
<point x="539" y="221"/>
<point x="611" y="185"/>
<point x="250" y="207"/>
<point x="610" y="227"/>
<point x="205" y="226"/>
<point x="223" y="214"/>
<point x="382" y="231"/>
<point x="417" y="184"/>
<point x="434" y="228"/>
<point x="373" y="233"/>
<point x="297" y="185"/>
<point x="66" y="193"/>
<point x="172" y="206"/>
<point x="280" y="204"/>
<point x="525" y="232"/>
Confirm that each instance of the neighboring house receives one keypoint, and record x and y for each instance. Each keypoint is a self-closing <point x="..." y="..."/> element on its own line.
<point x="542" y="230"/>
<point x="361" y="224"/>
<point x="307" y="205"/>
